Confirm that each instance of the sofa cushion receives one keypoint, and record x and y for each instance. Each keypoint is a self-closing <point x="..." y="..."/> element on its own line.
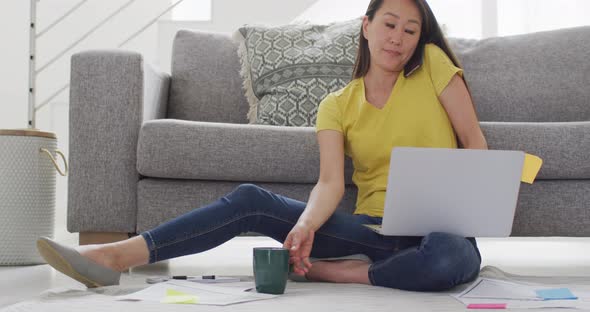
<point x="181" y="149"/>
<point x="563" y="146"/>
<point x="230" y="152"/>
<point x="288" y="70"/>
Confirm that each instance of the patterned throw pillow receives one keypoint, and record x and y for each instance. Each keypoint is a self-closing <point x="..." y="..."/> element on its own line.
<point x="288" y="70"/>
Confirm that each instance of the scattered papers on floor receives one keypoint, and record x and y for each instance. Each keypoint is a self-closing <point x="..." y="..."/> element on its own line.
<point x="184" y="292"/>
<point x="487" y="293"/>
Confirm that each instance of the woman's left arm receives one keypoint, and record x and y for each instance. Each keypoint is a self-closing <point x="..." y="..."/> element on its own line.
<point x="457" y="102"/>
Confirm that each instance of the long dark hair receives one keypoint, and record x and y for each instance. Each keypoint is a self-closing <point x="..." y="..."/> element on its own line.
<point x="430" y="33"/>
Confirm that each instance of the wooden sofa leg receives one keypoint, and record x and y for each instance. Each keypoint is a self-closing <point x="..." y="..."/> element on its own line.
<point x="88" y="238"/>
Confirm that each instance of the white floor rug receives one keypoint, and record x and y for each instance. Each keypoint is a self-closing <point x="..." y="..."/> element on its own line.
<point x="299" y="297"/>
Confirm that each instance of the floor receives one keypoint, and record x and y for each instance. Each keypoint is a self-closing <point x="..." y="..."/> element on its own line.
<point x="535" y="256"/>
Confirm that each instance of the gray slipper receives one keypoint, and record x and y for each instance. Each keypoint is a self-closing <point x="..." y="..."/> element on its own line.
<point x="69" y="262"/>
<point x="302" y="278"/>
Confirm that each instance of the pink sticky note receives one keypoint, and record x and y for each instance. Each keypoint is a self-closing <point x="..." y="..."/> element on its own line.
<point x="487" y="306"/>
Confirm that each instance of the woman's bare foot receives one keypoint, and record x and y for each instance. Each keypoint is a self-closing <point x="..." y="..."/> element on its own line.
<point x="118" y="256"/>
<point x="341" y="271"/>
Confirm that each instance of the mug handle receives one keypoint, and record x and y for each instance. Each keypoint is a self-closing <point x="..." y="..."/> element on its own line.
<point x="62" y="173"/>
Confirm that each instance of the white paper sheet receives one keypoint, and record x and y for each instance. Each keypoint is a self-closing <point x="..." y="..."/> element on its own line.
<point x="207" y="294"/>
<point x="486" y="288"/>
<point x="517" y="295"/>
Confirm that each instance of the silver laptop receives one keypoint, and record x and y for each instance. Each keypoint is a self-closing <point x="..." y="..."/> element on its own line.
<point x="472" y="193"/>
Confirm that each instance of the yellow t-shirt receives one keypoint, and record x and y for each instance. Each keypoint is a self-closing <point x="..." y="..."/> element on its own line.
<point x="412" y="116"/>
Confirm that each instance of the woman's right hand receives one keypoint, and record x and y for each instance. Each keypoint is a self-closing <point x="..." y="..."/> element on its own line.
<point x="299" y="242"/>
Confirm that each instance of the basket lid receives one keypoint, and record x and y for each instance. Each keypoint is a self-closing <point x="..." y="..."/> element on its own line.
<point x="28" y="132"/>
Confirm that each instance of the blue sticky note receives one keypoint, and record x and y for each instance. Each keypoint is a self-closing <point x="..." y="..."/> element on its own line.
<point x="555" y="294"/>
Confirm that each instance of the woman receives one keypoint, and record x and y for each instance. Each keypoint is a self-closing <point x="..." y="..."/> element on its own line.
<point x="407" y="91"/>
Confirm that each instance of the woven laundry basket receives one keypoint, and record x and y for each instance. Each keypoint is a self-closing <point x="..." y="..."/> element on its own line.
<point x="27" y="193"/>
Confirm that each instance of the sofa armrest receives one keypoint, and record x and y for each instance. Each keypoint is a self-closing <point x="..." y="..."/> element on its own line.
<point x="111" y="94"/>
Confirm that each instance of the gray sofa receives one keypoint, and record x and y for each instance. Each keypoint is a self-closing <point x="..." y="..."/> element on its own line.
<point x="147" y="146"/>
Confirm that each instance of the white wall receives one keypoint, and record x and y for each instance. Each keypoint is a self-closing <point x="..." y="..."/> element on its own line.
<point x="328" y="11"/>
<point x="14" y="63"/>
<point x="227" y="16"/>
<point x="524" y="16"/>
<point x="108" y="36"/>
<point x="462" y="18"/>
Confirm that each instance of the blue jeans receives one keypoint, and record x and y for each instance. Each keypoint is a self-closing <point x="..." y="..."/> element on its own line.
<point x="437" y="261"/>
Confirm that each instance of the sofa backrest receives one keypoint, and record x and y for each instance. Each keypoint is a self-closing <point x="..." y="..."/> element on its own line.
<point x="206" y="83"/>
<point x="538" y="77"/>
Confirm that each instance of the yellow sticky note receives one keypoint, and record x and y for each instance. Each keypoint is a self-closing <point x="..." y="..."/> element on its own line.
<point x="531" y="167"/>
<point x="178" y="297"/>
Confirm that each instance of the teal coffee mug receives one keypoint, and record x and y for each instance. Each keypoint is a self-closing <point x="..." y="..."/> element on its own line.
<point x="271" y="269"/>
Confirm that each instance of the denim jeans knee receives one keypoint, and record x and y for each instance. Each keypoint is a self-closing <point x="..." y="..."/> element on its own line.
<point x="246" y="190"/>
<point x="453" y="260"/>
<point x="440" y="262"/>
<point x="248" y="196"/>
